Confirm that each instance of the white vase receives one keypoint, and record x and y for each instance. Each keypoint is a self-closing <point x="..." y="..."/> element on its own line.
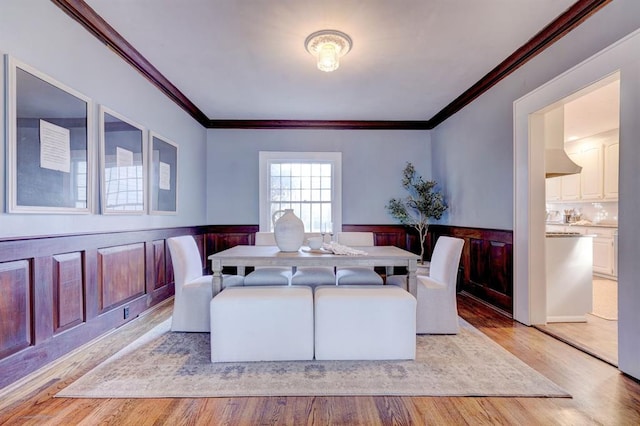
<point x="288" y="230"/>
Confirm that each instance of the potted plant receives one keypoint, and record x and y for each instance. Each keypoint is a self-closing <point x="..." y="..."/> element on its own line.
<point x="421" y="204"/>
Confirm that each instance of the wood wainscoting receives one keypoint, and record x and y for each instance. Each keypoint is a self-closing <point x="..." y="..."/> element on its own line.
<point x="486" y="265"/>
<point x="59" y="292"/>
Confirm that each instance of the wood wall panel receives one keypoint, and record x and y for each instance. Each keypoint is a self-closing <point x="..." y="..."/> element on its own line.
<point x="121" y="274"/>
<point x="91" y="291"/>
<point x="486" y="263"/>
<point x="68" y="291"/>
<point x="42" y="274"/>
<point x="15" y="307"/>
<point x="159" y="264"/>
<point x="42" y="298"/>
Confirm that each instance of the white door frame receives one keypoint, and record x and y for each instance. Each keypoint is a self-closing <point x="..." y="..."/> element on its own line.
<point x="529" y="292"/>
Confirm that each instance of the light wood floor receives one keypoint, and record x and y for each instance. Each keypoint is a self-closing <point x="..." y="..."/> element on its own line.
<point x="601" y="394"/>
<point x="597" y="336"/>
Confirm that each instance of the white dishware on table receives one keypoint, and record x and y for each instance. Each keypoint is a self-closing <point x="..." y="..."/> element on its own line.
<point x="315" y="243"/>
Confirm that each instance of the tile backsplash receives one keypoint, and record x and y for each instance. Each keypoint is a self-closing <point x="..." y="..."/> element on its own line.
<point x="605" y="212"/>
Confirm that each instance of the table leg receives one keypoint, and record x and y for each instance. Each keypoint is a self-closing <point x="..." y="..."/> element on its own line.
<point x="411" y="277"/>
<point x="216" y="280"/>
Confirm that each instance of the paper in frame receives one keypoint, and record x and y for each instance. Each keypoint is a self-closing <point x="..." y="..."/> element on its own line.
<point x="163" y="171"/>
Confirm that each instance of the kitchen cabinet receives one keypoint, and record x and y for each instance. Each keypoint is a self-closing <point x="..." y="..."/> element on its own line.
<point x="599" y="158"/>
<point x="568" y="264"/>
<point x="611" y="169"/>
<point x="553" y="188"/>
<point x="591" y="177"/>
<point x="603" y="251"/>
<point x="570" y="184"/>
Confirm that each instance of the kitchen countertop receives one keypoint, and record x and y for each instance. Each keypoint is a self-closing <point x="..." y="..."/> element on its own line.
<point x="593" y="225"/>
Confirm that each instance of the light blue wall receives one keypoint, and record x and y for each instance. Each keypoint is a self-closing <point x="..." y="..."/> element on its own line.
<point x="39" y="34"/>
<point x="473" y="150"/>
<point x="372" y="163"/>
<point x="479" y="141"/>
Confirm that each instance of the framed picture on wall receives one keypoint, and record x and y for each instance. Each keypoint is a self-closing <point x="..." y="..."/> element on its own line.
<point x="123" y="158"/>
<point x="49" y="146"/>
<point x="163" y="180"/>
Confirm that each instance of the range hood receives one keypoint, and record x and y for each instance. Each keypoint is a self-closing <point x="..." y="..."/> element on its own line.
<point x="558" y="163"/>
<point x="556" y="160"/>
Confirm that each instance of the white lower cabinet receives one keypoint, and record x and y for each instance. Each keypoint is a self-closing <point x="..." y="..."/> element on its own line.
<point x="603" y="251"/>
<point x="603" y="246"/>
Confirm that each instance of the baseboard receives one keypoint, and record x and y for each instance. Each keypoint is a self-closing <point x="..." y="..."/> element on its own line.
<point x="567" y="318"/>
<point x="487" y="304"/>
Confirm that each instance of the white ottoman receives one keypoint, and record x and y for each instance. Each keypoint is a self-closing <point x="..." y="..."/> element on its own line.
<point x="364" y="323"/>
<point x="266" y="323"/>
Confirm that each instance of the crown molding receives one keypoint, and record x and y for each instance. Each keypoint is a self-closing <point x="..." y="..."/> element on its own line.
<point x="319" y="124"/>
<point x="567" y="21"/>
<point x="96" y="25"/>
<point x="558" y="28"/>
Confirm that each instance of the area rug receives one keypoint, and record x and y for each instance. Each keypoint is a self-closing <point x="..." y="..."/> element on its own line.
<point x="165" y="364"/>
<point x="605" y="299"/>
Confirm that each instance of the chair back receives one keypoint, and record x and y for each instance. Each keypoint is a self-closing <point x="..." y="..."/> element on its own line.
<point x="362" y="239"/>
<point x="186" y="260"/>
<point x="265" y="239"/>
<point x="445" y="260"/>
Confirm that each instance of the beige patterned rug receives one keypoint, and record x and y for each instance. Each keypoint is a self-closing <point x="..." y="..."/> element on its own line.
<point x="174" y="365"/>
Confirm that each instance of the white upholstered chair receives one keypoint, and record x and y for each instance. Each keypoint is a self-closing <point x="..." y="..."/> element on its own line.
<point x="356" y="275"/>
<point x="193" y="290"/>
<point x="437" y="310"/>
<point x="402" y="280"/>
<point x="267" y="275"/>
<point x="313" y="276"/>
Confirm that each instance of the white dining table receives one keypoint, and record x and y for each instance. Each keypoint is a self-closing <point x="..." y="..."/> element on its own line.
<point x="242" y="256"/>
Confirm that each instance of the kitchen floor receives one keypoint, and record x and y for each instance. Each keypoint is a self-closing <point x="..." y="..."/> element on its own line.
<point x="599" y="335"/>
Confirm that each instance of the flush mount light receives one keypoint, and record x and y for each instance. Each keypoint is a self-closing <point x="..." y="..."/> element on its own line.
<point x="328" y="46"/>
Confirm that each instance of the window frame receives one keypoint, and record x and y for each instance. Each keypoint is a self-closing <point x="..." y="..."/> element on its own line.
<point x="266" y="158"/>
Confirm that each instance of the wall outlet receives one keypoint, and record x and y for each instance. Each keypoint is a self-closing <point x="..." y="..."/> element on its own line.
<point x="126" y="312"/>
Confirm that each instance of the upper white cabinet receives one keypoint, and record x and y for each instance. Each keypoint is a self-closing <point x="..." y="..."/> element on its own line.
<point x="611" y="169"/>
<point x="554" y="188"/>
<point x="598" y="156"/>
<point x="570" y="187"/>
<point x="591" y="177"/>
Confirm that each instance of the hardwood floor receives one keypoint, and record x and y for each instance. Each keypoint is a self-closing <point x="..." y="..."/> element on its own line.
<point x="598" y="336"/>
<point x="600" y="393"/>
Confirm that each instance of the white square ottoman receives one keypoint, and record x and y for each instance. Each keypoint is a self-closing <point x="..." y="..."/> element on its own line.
<point x="265" y="323"/>
<point x="364" y="323"/>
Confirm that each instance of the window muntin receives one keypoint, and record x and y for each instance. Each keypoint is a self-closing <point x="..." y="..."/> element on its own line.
<point x="308" y="183"/>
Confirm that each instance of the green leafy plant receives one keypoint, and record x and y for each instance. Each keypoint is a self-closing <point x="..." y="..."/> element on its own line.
<point x="422" y="203"/>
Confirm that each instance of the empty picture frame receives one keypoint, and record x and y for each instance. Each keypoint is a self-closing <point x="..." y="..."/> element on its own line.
<point x="123" y="159"/>
<point x="163" y="180"/>
<point x="50" y="145"/>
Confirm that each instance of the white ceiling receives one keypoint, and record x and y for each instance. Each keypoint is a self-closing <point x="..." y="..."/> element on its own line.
<point x="593" y="110"/>
<point x="245" y="59"/>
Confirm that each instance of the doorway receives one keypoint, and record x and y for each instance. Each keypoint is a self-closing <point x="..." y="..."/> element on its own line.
<point x="529" y="192"/>
<point x="587" y="204"/>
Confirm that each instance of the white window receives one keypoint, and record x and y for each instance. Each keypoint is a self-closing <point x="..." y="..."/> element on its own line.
<point x="310" y="183"/>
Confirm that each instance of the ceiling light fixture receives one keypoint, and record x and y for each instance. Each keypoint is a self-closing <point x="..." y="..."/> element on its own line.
<point x="328" y="46"/>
